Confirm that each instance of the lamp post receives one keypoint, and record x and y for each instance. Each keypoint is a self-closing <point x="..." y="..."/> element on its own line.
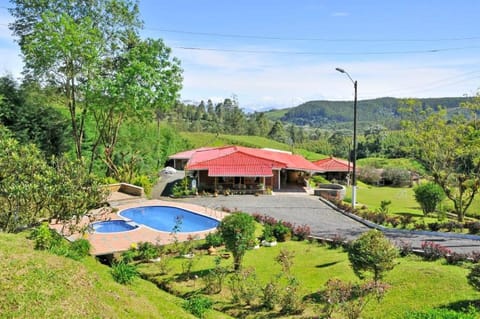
<point x="354" y="159"/>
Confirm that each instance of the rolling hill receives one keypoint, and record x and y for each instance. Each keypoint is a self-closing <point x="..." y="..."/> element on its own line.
<point x="383" y="111"/>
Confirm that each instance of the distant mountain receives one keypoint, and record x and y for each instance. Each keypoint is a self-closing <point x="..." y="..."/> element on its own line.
<point x="381" y="111"/>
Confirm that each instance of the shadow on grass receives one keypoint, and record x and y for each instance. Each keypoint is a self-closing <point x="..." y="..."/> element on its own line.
<point x="462" y="305"/>
<point x="327" y="264"/>
<point x="315" y="297"/>
<point x="245" y="311"/>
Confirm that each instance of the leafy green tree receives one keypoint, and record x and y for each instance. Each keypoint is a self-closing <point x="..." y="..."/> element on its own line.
<point x="23" y="196"/>
<point x="341" y="142"/>
<point x="278" y="132"/>
<point x="92" y="52"/>
<point x="372" y="252"/>
<point x="429" y="195"/>
<point x="72" y="192"/>
<point x="238" y="232"/>
<point x="449" y="150"/>
<point x="142" y="80"/>
<point x="30" y="189"/>
<point x="62" y="43"/>
<point x="30" y="121"/>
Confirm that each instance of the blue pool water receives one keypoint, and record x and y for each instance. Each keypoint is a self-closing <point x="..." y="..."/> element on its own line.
<point x="112" y="226"/>
<point x="165" y="218"/>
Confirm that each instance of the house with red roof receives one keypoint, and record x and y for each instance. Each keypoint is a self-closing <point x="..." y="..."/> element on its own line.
<point x="244" y="169"/>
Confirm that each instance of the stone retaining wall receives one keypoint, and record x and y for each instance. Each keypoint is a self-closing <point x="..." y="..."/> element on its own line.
<point x="126" y="188"/>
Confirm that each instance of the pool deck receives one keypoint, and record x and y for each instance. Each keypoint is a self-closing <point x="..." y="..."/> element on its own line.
<point x="109" y="243"/>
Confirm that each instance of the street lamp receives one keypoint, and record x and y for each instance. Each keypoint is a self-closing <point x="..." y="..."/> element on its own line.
<point x="354" y="159"/>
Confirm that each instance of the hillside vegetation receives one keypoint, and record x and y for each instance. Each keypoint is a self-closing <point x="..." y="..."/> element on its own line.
<point x="38" y="284"/>
<point x="383" y="111"/>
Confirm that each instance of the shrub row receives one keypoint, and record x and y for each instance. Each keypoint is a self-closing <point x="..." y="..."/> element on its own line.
<point x="381" y="218"/>
<point x="299" y="232"/>
<point x="433" y="251"/>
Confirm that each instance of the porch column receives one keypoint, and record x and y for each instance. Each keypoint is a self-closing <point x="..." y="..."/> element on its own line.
<point x="279" y="179"/>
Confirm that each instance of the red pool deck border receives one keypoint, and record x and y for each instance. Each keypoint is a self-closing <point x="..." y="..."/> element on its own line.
<point x="109" y="243"/>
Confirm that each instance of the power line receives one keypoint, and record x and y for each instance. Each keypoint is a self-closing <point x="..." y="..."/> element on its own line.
<point x="445" y="82"/>
<point x="264" y="37"/>
<point x="327" y="53"/>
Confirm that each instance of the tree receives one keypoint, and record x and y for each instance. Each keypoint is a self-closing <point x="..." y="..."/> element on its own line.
<point x="341" y="142"/>
<point x="31" y="189"/>
<point x="29" y="120"/>
<point x="278" y="133"/>
<point x="449" y="148"/>
<point x="429" y="195"/>
<point x="238" y="232"/>
<point x="141" y="80"/>
<point x="23" y="196"/>
<point x="62" y="43"/>
<point x="92" y="52"/>
<point x="372" y="252"/>
<point x="73" y="192"/>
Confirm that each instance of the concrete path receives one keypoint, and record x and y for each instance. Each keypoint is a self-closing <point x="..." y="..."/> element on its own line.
<point x="323" y="220"/>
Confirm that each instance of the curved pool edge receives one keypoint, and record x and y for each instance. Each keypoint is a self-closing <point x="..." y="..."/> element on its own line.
<point x="134" y="227"/>
<point x="180" y="207"/>
<point x="110" y="243"/>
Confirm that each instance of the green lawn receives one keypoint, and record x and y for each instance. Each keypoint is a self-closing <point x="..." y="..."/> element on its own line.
<point x="415" y="284"/>
<point x="402" y="198"/>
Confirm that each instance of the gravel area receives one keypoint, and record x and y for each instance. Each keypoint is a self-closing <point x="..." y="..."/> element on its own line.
<point x="323" y="220"/>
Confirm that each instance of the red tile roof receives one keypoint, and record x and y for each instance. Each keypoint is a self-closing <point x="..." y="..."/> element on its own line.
<point x="244" y="161"/>
<point x="187" y="154"/>
<point x="332" y="164"/>
<point x="232" y="164"/>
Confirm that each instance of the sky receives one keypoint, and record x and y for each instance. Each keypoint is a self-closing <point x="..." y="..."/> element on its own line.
<point x="280" y="53"/>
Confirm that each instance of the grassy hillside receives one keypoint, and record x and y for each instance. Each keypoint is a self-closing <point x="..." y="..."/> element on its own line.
<point x="405" y="163"/>
<point x="37" y="284"/>
<point x="275" y="115"/>
<point x="211" y="139"/>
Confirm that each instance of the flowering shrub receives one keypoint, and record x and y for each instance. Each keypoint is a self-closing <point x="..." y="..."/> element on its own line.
<point x="301" y="232"/>
<point x="474" y="257"/>
<point x="455" y="258"/>
<point x="348" y="299"/>
<point x="337" y="241"/>
<point x="433" y="251"/>
<point x="279" y="227"/>
<point x="404" y="248"/>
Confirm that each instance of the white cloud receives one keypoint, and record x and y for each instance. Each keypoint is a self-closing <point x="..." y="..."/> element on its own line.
<point x="268" y="81"/>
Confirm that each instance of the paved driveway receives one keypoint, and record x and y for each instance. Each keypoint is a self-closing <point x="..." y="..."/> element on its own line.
<point x="322" y="219"/>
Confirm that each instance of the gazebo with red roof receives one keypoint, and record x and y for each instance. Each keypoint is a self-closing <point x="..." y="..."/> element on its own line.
<point x="334" y="168"/>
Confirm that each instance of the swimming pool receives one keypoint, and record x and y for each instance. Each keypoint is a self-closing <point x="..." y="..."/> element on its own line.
<point x="165" y="218"/>
<point x="112" y="226"/>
